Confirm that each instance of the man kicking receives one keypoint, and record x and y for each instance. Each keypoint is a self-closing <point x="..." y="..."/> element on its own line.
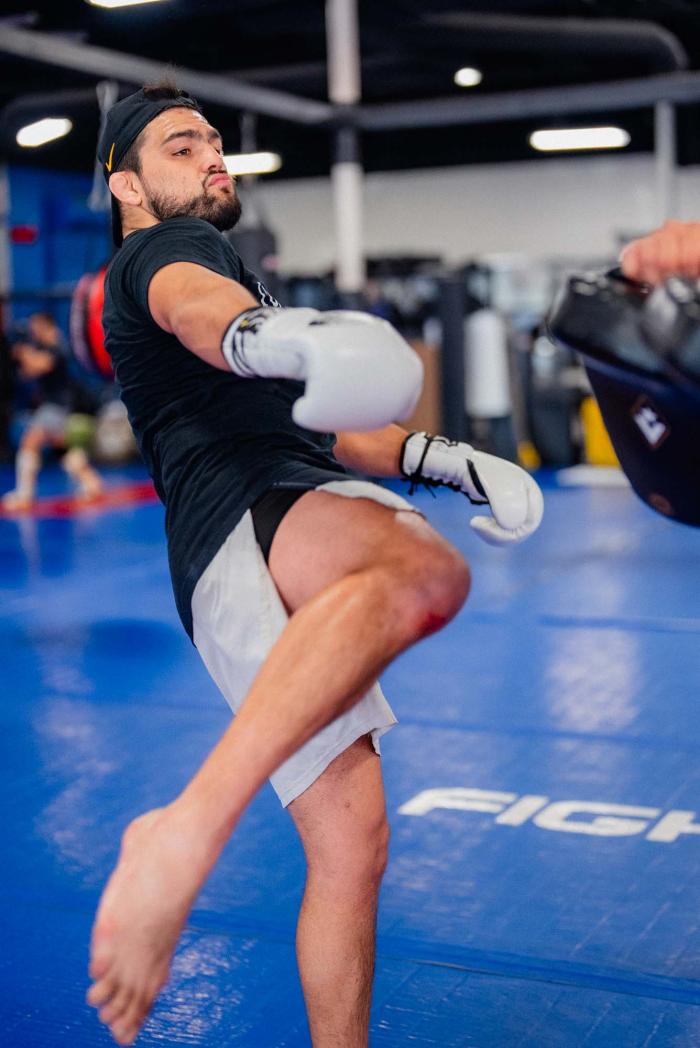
<point x="298" y="581"/>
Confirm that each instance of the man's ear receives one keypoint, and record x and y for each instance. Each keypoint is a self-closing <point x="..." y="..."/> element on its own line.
<point x="126" y="187"/>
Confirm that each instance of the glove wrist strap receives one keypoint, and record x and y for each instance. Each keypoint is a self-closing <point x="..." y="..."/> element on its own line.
<point x="238" y="334"/>
<point x="416" y="476"/>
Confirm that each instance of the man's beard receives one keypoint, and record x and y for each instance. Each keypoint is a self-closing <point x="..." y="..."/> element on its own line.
<point x="222" y="212"/>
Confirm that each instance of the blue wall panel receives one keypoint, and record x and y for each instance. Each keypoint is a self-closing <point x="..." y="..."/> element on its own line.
<point x="72" y="239"/>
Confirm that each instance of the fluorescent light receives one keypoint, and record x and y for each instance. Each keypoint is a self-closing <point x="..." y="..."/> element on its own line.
<point x="580" y="138"/>
<point x="467" y="77"/>
<point x="252" y="163"/>
<point x="43" y="131"/>
<point x="119" y="3"/>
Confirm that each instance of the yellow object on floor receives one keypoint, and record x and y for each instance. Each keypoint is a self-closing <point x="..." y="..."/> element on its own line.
<point x="528" y="456"/>
<point x="596" y="442"/>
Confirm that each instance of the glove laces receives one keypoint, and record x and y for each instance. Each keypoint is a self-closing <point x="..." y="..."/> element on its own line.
<point x="417" y="479"/>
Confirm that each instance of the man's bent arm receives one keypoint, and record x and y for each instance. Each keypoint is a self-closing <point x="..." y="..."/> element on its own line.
<point x="358" y="371"/>
<point x="376" y="453"/>
<point x="197" y="306"/>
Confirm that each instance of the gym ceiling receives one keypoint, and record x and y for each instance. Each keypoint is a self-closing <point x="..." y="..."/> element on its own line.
<point x="410" y="51"/>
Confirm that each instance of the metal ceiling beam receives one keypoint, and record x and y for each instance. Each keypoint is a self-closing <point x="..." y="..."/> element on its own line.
<point x="633" y="38"/>
<point x="313" y="71"/>
<point x="56" y="50"/>
<point x="537" y="102"/>
<point x="440" y="112"/>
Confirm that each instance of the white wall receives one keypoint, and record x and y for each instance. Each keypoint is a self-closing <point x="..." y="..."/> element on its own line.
<point x="541" y="208"/>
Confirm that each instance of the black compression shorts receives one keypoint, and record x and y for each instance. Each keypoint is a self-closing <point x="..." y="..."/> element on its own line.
<point x="268" y="512"/>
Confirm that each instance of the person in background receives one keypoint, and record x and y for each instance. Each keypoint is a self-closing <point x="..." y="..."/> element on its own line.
<point x="377" y="304"/>
<point x="6" y="395"/>
<point x="41" y="371"/>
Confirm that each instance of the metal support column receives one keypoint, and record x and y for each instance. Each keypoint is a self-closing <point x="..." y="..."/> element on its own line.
<point x="344" y="89"/>
<point x="451" y="304"/>
<point x="665" y="161"/>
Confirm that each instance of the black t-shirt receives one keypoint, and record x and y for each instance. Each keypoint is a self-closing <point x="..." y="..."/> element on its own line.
<point x="213" y="442"/>
<point x="54" y="387"/>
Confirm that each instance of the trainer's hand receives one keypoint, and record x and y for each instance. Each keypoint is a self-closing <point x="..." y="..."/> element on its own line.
<point x="672" y="250"/>
<point x="359" y="373"/>
<point x="514" y="497"/>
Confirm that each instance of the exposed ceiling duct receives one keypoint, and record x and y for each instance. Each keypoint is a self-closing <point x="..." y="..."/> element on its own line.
<point x="605" y="37"/>
<point x="535" y="102"/>
<point x="56" y="50"/>
<point x="561" y="67"/>
<point x="561" y="36"/>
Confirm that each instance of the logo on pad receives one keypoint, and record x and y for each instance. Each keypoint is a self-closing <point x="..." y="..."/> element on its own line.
<point x="650" y="423"/>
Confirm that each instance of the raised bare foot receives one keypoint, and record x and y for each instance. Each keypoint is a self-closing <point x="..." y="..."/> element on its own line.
<point x="141" y="914"/>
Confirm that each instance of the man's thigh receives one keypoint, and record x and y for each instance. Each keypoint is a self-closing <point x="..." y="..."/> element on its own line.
<point x="325" y="537"/>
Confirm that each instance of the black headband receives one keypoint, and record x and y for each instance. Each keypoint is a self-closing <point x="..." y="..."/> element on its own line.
<point x="125" y="122"/>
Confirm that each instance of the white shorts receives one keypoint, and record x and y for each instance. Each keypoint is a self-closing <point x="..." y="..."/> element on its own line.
<point x="53" y="418"/>
<point x="237" y="617"/>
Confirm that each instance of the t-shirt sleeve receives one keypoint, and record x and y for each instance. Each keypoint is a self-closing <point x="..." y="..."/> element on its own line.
<point x="253" y="283"/>
<point x="174" y="241"/>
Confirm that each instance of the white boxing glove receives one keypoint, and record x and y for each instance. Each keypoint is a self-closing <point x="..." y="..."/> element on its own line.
<point x="514" y="497"/>
<point x="359" y="373"/>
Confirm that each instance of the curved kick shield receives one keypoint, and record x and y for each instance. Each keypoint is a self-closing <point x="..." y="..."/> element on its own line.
<point x="651" y="412"/>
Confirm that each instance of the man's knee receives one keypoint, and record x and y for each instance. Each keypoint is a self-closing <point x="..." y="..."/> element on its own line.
<point x="448" y="583"/>
<point x="378" y="853"/>
<point x="367" y="860"/>
<point x="354" y="866"/>
<point x="433" y="579"/>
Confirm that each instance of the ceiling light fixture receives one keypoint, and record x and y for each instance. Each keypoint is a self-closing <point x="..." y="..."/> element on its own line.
<point x="252" y="163"/>
<point x="119" y="3"/>
<point x="560" y="139"/>
<point x="43" y="131"/>
<point x="467" y="77"/>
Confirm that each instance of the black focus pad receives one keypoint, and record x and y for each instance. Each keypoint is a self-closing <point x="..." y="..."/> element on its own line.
<point x="653" y="419"/>
<point x="599" y="315"/>
<point x="671" y="325"/>
<point x="655" y="430"/>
